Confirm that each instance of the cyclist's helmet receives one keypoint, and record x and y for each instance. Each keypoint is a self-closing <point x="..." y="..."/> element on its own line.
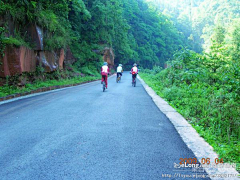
<point x="134" y="64"/>
<point x="105" y="63"/>
<point x="120" y="65"/>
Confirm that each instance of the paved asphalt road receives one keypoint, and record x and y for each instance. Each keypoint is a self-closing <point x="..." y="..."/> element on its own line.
<point x="84" y="133"/>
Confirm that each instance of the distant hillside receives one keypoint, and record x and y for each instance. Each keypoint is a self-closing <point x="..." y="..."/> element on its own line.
<point x="198" y="18"/>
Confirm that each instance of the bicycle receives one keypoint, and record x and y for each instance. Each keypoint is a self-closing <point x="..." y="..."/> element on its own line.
<point x="118" y="79"/>
<point x="134" y="82"/>
<point x="104" y="84"/>
<point x="134" y="75"/>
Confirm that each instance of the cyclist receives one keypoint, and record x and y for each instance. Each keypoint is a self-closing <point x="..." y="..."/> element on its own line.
<point x="134" y="71"/>
<point x="104" y="73"/>
<point x="119" y="70"/>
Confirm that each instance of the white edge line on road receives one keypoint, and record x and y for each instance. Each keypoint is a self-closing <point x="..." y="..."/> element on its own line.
<point x="191" y="138"/>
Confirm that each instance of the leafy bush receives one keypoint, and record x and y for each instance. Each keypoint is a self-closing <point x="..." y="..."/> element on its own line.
<point x="12" y="41"/>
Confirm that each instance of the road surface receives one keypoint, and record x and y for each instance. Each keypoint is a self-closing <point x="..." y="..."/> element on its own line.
<point x="84" y="133"/>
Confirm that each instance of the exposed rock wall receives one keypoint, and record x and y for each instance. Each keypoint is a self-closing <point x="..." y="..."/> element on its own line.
<point x="108" y="56"/>
<point x="17" y="60"/>
<point x="61" y="58"/>
<point x="27" y="59"/>
<point x="69" y="58"/>
<point x="36" y="34"/>
<point x="51" y="59"/>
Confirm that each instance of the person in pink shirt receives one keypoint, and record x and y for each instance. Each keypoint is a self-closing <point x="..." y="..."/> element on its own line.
<point x="134" y="71"/>
<point x="104" y="73"/>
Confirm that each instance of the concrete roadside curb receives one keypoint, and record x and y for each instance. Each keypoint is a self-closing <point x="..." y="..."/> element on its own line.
<point x="197" y="144"/>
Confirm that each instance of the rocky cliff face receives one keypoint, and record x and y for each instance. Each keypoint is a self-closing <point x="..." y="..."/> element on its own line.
<point x="22" y="59"/>
<point x="108" y="56"/>
<point x="17" y="60"/>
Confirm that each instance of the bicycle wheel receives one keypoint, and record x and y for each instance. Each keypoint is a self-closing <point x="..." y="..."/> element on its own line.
<point x="104" y="86"/>
<point x="134" y="82"/>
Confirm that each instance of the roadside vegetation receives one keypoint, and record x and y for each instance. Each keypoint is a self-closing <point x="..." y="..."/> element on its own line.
<point x="206" y="92"/>
<point x="203" y="83"/>
<point x="27" y="82"/>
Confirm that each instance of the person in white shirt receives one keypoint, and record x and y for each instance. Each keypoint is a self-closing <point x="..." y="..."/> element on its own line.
<point x="134" y="71"/>
<point x="104" y="73"/>
<point x="119" y="70"/>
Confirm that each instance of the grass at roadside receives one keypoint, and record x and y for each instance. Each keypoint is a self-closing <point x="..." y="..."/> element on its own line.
<point x="200" y="105"/>
<point x="9" y="90"/>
